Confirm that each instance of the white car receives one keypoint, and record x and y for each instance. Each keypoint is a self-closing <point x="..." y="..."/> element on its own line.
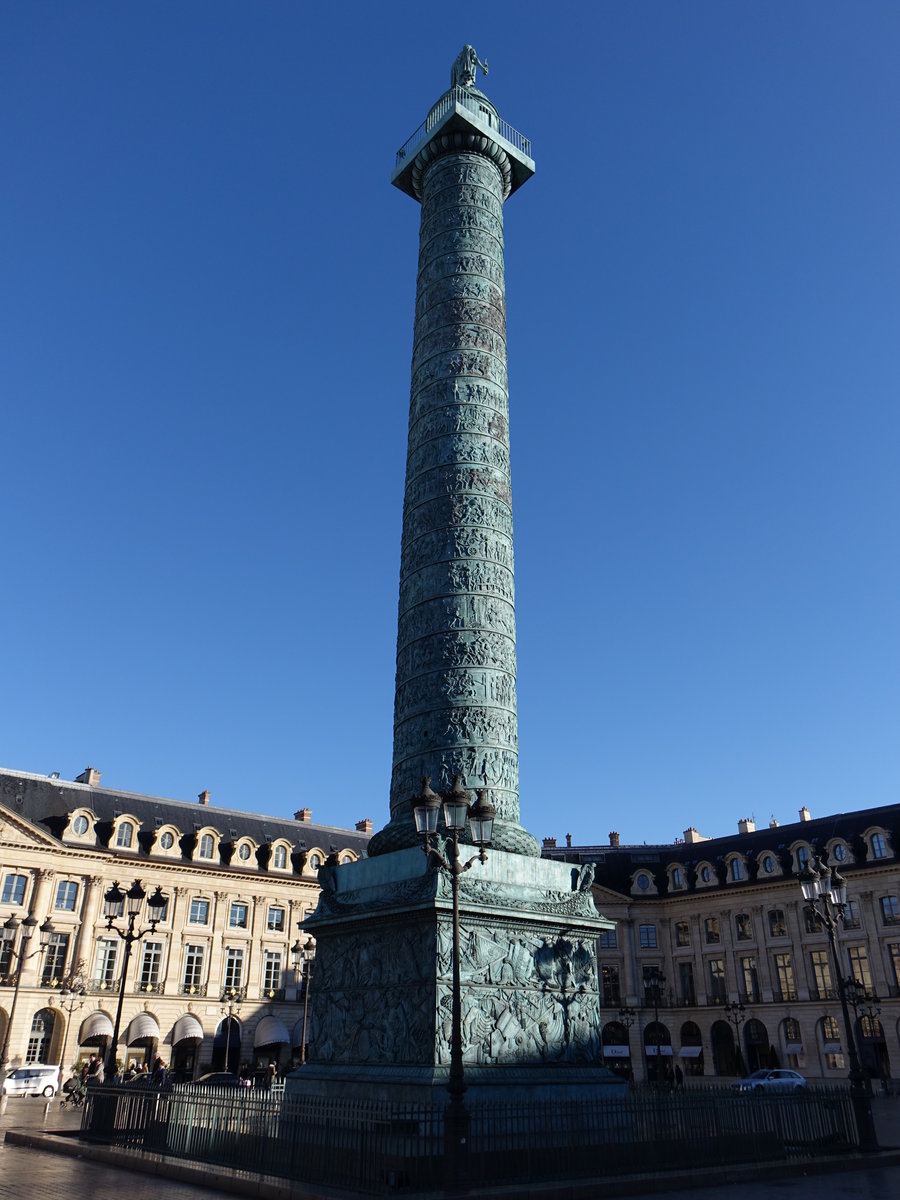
<point x="771" y="1081"/>
<point x="37" y="1080"/>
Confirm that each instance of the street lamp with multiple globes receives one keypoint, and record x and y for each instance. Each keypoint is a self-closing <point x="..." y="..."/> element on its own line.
<point x="825" y="893"/>
<point x="627" y="1017"/>
<point x="304" y="952"/>
<point x="654" y="982"/>
<point x="71" y="998"/>
<point x="232" y="999"/>
<point x="8" y="932"/>
<point x="736" y="1014"/>
<point x="480" y="818"/>
<point x="114" y="906"/>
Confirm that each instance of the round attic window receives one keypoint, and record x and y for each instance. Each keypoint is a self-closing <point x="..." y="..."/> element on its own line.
<point x="768" y="864"/>
<point x="705" y="874"/>
<point x="643" y="882"/>
<point x="839" y="852"/>
<point x="80" y="824"/>
<point x="167" y="841"/>
<point x="244" y="852"/>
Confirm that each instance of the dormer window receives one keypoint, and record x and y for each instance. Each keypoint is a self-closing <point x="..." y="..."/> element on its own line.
<point x="839" y="852"/>
<point x="125" y="836"/>
<point x="802" y="858"/>
<point x="205" y="849"/>
<point x="80" y="824"/>
<point x="279" y="858"/>
<point x="677" y="878"/>
<point x="879" y="846"/>
<point x="736" y="870"/>
<point x="244" y="852"/>
<point x="167" y="840"/>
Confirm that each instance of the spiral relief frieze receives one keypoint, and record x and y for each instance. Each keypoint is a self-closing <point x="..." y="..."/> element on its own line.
<point x="455" y="699"/>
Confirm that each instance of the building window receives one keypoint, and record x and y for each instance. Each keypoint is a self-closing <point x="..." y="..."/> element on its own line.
<point x="6" y="954"/>
<point x="802" y="858"/>
<point x="784" y="975"/>
<point x="279" y="858"/>
<point x="80" y="824"/>
<point x="851" y="915"/>
<point x="812" y="922"/>
<point x="167" y="840"/>
<point x="647" y="937"/>
<point x="839" y="852"/>
<point x="894" y="955"/>
<point x="716" y="969"/>
<point x="38" y="1050"/>
<point x="682" y="933"/>
<point x="125" y="835"/>
<point x="13" y="889"/>
<point x="272" y="971"/>
<point x="879" y="846"/>
<point x="607" y="939"/>
<point x="193" y="969"/>
<point x="737" y="870"/>
<point x="677" y="878"/>
<point x="150" y="965"/>
<point x="234" y="967"/>
<point x="238" y="916"/>
<point x="55" y="960"/>
<point x="199" y="914"/>
<point x="711" y="928"/>
<point x="858" y="957"/>
<point x="105" y="963"/>
<point x="66" y="895"/>
<point x="821" y="973"/>
<point x="777" y="923"/>
<point x="743" y="930"/>
<point x="643" y="881"/>
<point x="275" y="920"/>
<point x="243" y="852"/>
<point x="750" y="980"/>
<point x="792" y="1034"/>
<point x="831" y="1037"/>
<point x="768" y="864"/>
<point x="705" y="874"/>
<point x="686" y="983"/>
<point x="890" y="910"/>
<point x="609" y="983"/>
<point x="314" y="862"/>
<point x="206" y="846"/>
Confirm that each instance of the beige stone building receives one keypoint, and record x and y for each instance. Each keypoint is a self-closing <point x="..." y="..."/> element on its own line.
<point x="218" y="979"/>
<point x="716" y="965"/>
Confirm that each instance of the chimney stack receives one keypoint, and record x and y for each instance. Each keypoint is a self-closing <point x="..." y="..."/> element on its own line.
<point x="613" y="838"/>
<point x="805" y="814"/>
<point x="204" y="796"/>
<point x="549" y="843"/>
<point x="691" y="836"/>
<point x="89" y="776"/>
<point x="568" y="839"/>
<point x="303" y="814"/>
<point x="746" y="825"/>
<point x="364" y="826"/>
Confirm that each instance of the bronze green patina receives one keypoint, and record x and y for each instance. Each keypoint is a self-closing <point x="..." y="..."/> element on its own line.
<point x="455" y="699"/>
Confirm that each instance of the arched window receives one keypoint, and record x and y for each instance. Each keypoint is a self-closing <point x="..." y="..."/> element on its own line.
<point x="737" y="870"/>
<point x="279" y="858"/>
<point x="39" y="1039"/>
<point x="879" y="846"/>
<point x="125" y="835"/>
<point x="206" y="846"/>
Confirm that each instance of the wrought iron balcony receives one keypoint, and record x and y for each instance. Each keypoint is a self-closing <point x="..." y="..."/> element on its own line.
<point x="193" y="989"/>
<point x="273" y="993"/>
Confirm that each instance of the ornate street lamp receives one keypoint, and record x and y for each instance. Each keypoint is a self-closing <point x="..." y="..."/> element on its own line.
<point x="232" y="999"/>
<point x="736" y="1014"/>
<point x="8" y="932"/>
<point x="304" y="952"/>
<point x="480" y="818"/>
<point x="117" y="903"/>
<point x="71" y="999"/>
<point x="627" y="1017"/>
<point x="825" y="893"/>
<point x="654" y="982"/>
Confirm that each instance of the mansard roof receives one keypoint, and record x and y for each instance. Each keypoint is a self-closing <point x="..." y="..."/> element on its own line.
<point x="49" y="803"/>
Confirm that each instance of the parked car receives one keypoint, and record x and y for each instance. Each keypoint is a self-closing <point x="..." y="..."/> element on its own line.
<point x="37" y="1080"/>
<point x="771" y="1081"/>
<point x="218" y="1079"/>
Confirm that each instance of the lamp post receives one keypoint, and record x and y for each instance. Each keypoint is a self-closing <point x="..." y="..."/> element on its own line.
<point x="71" y="998"/>
<point x="866" y="1008"/>
<point x="304" y="953"/>
<point x="480" y="819"/>
<point x="627" y="1017"/>
<point x="736" y="1014"/>
<point x="8" y="932"/>
<point x="825" y="893"/>
<point x="654" y="982"/>
<point x="117" y="903"/>
<point x="232" y="999"/>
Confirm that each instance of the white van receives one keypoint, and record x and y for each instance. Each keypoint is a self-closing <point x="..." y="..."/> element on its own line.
<point x="36" y="1080"/>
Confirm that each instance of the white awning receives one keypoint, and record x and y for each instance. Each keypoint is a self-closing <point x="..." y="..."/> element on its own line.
<point x="690" y="1051"/>
<point x="616" y="1052"/>
<point x="97" y="1024"/>
<point x="832" y="1048"/>
<point x="652" y="1051"/>
<point x="794" y="1048"/>
<point x="271" y="1032"/>
<point x="187" y="1029"/>
<point x="143" y="1026"/>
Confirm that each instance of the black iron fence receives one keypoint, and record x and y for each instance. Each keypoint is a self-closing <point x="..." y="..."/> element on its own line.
<point x="379" y="1147"/>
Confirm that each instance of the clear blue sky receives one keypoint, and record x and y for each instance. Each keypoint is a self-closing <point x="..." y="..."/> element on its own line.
<point x="205" y="335"/>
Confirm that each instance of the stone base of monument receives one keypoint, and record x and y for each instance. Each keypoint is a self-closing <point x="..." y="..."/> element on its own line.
<point x="380" y="1002"/>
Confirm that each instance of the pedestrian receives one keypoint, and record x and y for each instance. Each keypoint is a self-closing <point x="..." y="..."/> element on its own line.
<point x="271" y="1075"/>
<point x="95" y="1072"/>
<point x="158" y="1078"/>
<point x="679" y="1077"/>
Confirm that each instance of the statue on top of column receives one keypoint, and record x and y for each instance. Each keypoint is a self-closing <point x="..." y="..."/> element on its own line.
<point x="462" y="73"/>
